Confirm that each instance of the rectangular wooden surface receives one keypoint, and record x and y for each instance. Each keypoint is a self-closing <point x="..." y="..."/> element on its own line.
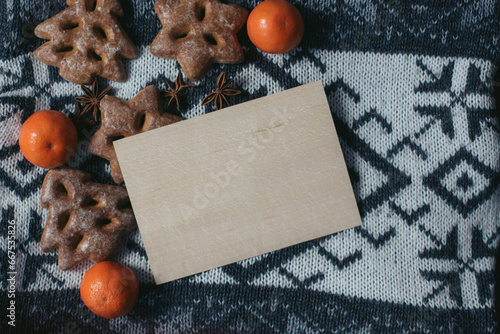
<point x="239" y="182"/>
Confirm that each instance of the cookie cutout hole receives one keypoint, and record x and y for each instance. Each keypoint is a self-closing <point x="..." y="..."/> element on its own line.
<point x="210" y="39"/>
<point x="93" y="55"/>
<point x="124" y="204"/>
<point x="77" y="241"/>
<point x="90" y="202"/>
<point x="104" y="222"/>
<point x="100" y="32"/>
<point x="63" y="220"/>
<point x="178" y="34"/>
<point x="64" y="49"/>
<point x="141" y="120"/>
<point x="69" y="25"/>
<point x="90" y="5"/>
<point x="61" y="190"/>
<point x="200" y="12"/>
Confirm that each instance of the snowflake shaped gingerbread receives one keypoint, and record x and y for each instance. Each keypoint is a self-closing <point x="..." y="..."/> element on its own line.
<point x="86" y="40"/>
<point x="198" y="33"/>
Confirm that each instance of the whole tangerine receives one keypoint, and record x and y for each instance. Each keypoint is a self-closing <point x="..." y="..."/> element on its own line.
<point x="48" y="139"/>
<point x="109" y="289"/>
<point x="275" y="26"/>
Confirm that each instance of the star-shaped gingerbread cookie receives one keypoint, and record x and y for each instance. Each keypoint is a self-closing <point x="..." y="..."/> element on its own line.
<point x="198" y="33"/>
<point x="122" y="118"/>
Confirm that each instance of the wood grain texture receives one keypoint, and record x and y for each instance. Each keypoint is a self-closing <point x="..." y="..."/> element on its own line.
<point x="239" y="182"/>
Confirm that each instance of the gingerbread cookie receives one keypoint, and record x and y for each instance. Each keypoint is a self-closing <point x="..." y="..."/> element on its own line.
<point x="198" y="33"/>
<point x="86" y="40"/>
<point x="121" y="119"/>
<point x="86" y="220"/>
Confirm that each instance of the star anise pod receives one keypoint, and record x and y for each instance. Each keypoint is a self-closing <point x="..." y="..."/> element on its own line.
<point x="92" y="99"/>
<point x="219" y="95"/>
<point x="176" y="90"/>
<point x="79" y="120"/>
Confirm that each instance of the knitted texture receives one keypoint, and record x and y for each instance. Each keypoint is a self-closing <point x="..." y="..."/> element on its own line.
<point x="411" y="89"/>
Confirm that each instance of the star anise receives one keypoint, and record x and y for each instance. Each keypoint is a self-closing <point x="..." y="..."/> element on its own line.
<point x="92" y="99"/>
<point x="81" y="123"/>
<point x="176" y="90"/>
<point x="219" y="95"/>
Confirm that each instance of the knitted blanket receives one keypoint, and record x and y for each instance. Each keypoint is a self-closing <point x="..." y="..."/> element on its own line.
<point x="411" y="89"/>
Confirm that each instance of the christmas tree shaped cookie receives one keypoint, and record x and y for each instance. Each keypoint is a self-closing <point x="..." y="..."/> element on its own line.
<point x="86" y="40"/>
<point x="86" y="220"/>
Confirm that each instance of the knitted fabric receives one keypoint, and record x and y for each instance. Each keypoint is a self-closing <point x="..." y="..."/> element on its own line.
<point x="411" y="90"/>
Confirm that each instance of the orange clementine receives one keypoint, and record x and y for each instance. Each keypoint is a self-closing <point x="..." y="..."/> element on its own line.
<point x="275" y="26"/>
<point x="109" y="289"/>
<point x="48" y="138"/>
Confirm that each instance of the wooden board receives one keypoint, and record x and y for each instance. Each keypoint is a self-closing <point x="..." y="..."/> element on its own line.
<point x="238" y="182"/>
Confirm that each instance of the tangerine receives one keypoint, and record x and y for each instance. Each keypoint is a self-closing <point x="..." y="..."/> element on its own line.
<point x="109" y="289"/>
<point x="275" y="26"/>
<point x="48" y="139"/>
